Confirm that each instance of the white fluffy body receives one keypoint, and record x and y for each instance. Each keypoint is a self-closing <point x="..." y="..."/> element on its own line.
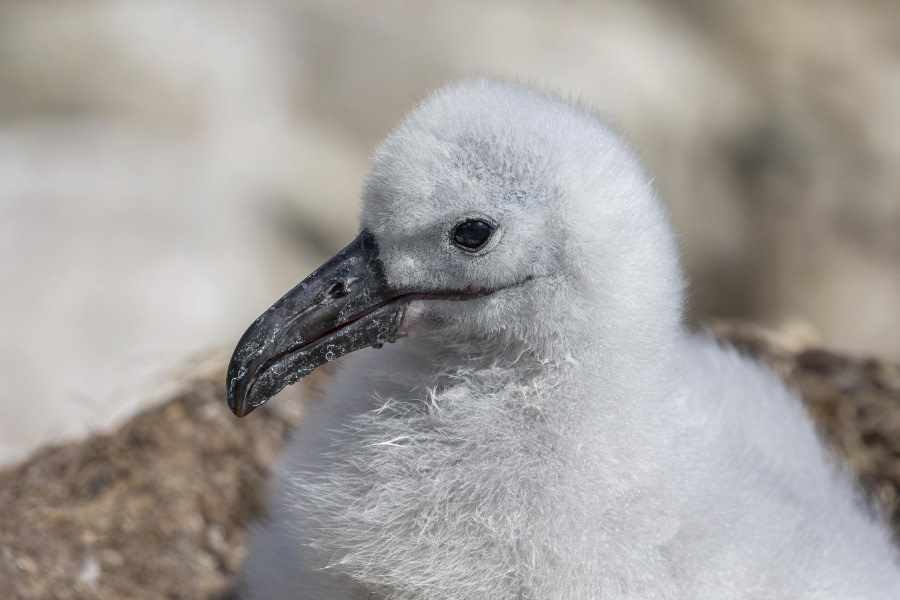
<point x="563" y="437"/>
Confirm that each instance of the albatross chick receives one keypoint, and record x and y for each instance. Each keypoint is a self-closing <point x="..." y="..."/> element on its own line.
<point x="545" y="427"/>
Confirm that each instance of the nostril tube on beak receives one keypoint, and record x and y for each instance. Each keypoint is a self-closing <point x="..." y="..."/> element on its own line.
<point x="336" y="289"/>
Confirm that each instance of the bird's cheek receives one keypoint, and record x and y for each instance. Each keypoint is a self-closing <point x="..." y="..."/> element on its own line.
<point x="421" y="317"/>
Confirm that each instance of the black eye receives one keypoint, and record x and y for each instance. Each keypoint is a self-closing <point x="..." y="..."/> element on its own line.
<point x="472" y="234"/>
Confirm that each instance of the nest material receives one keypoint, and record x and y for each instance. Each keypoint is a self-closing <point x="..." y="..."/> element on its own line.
<point x="160" y="507"/>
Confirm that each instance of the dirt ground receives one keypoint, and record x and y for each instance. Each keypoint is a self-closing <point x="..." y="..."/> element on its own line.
<point x="160" y="507"/>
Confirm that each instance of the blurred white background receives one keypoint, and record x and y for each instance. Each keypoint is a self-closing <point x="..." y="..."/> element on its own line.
<point x="169" y="168"/>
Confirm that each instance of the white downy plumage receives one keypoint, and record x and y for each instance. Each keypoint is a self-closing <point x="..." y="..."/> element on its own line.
<point x="563" y="437"/>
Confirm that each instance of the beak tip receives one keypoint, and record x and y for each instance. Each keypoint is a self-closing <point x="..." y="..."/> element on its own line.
<point x="240" y="410"/>
<point x="235" y="407"/>
<point x="237" y="398"/>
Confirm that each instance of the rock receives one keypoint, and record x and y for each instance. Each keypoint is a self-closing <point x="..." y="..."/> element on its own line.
<point x="155" y="509"/>
<point x="159" y="508"/>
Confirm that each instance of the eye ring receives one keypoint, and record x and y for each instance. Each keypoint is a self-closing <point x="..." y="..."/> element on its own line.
<point x="472" y="235"/>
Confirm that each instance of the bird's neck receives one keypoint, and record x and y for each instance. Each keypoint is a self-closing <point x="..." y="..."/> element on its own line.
<point x="452" y="437"/>
<point x="578" y="376"/>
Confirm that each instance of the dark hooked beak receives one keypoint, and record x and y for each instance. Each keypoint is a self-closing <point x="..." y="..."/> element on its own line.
<point x="345" y="305"/>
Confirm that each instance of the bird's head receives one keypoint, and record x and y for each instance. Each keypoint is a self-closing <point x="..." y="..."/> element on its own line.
<point x="494" y="214"/>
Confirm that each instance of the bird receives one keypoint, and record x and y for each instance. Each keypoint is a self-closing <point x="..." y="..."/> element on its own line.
<point x="518" y="409"/>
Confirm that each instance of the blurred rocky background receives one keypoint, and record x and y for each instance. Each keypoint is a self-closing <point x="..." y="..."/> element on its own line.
<point x="169" y="168"/>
